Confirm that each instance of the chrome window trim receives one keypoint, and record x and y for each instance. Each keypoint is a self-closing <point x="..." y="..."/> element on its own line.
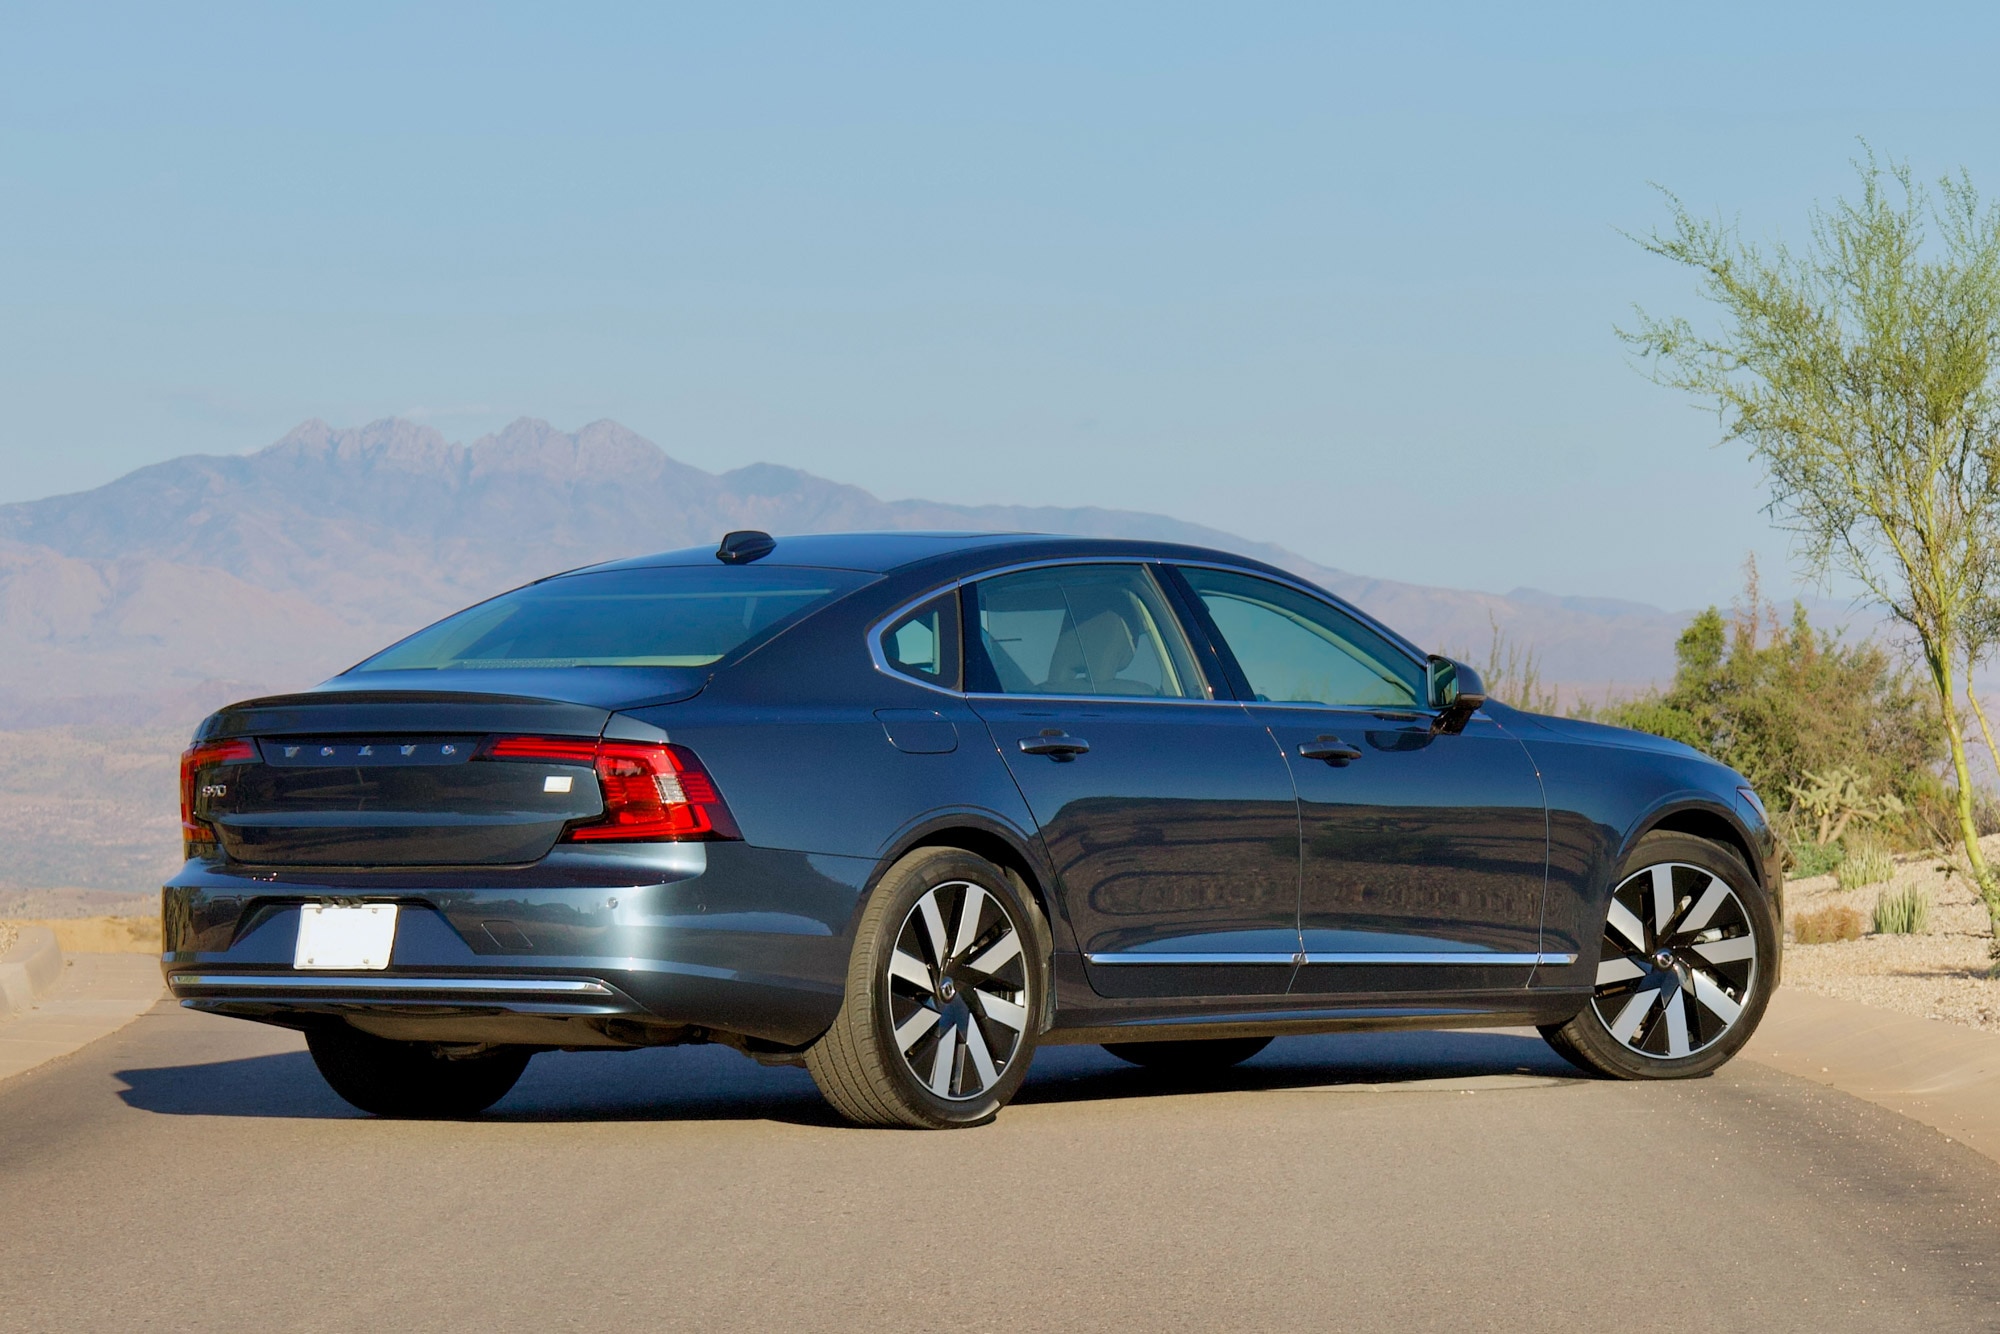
<point x="881" y="625"/>
<point x="1446" y="958"/>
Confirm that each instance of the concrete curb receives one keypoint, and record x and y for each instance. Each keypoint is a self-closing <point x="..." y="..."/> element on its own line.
<point x="1944" y="1075"/>
<point x="98" y="995"/>
<point x="28" y="969"/>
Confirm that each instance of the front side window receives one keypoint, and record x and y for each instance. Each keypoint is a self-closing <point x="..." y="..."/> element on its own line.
<point x="1295" y="649"/>
<point x="1077" y="630"/>
<point x="923" y="644"/>
<point x="663" y="616"/>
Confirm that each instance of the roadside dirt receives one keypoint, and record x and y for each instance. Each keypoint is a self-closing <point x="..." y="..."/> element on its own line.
<point x="94" y="935"/>
<point x="1940" y="974"/>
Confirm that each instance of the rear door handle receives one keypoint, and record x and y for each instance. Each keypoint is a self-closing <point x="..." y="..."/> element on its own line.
<point x="1055" y="744"/>
<point x="1331" y="749"/>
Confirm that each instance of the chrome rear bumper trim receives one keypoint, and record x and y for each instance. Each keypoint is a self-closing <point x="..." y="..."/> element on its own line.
<point x="390" y="984"/>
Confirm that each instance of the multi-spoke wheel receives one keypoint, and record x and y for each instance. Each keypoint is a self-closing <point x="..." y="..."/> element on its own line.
<point x="1689" y="942"/>
<point x="938" y="1024"/>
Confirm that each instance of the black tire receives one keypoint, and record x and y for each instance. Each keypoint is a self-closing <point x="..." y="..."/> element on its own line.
<point x="1687" y="994"/>
<point x="413" y="1079"/>
<point x="973" y="1016"/>
<point x="1200" y="1056"/>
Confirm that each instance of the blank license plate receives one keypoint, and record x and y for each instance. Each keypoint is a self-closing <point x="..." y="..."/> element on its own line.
<point x="345" y="937"/>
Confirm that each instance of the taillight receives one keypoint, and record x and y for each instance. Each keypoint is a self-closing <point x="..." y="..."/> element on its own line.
<point x="650" y="791"/>
<point x="193" y="760"/>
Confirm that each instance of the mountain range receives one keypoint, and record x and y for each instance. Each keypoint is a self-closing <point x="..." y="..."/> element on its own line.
<point x="151" y="599"/>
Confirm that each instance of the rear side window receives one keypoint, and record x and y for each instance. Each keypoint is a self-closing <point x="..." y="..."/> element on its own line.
<point x="1077" y="630"/>
<point x="674" y="616"/>
<point x="923" y="644"/>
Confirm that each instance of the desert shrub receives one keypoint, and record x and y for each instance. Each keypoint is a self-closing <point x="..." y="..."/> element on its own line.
<point x="1836" y="922"/>
<point x="1933" y="819"/>
<point x="1808" y="858"/>
<point x="1513" y="674"/>
<point x="1866" y="862"/>
<point x="1785" y="704"/>
<point x="1904" y="912"/>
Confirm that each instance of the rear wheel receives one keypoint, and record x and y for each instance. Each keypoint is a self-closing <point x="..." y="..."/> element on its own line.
<point x="937" y="1027"/>
<point x="1683" y="975"/>
<point x="1196" y="1057"/>
<point x="413" y="1079"/>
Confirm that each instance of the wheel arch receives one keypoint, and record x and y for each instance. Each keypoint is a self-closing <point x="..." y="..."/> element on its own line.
<point x="1713" y="822"/>
<point x="1704" y="820"/>
<point x="983" y="836"/>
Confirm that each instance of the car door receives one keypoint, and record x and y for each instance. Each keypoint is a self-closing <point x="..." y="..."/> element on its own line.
<point x="1424" y="852"/>
<point x="1169" y="815"/>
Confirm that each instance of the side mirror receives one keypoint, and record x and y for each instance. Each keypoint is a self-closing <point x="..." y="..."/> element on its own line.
<point x="1456" y="694"/>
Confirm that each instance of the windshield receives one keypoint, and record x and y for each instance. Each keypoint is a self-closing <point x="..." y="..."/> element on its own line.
<point x="673" y="616"/>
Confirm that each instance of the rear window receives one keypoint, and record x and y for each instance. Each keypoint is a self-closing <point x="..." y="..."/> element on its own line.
<point x="678" y="616"/>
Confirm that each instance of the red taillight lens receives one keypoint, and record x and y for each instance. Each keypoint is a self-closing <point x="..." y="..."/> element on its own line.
<point x="193" y="760"/>
<point x="650" y="792"/>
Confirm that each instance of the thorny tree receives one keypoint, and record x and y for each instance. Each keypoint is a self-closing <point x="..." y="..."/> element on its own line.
<point x="1861" y="372"/>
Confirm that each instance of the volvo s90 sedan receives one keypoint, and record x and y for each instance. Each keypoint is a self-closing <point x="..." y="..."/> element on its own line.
<point x="903" y="807"/>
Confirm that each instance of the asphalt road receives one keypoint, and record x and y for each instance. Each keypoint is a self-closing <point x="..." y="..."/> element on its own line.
<point x="192" y="1172"/>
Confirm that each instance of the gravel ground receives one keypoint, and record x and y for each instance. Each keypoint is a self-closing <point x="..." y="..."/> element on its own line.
<point x="1938" y="975"/>
<point x="8" y="932"/>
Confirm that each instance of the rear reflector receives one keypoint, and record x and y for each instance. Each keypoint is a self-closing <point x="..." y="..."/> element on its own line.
<point x="193" y="760"/>
<point x="650" y="792"/>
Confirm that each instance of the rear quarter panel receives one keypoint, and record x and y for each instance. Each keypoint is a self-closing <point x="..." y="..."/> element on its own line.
<point x="793" y="742"/>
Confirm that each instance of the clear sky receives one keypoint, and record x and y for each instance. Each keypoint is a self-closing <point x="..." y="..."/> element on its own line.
<point x="1343" y="278"/>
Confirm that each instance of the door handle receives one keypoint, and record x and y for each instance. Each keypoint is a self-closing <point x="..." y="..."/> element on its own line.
<point x="1056" y="744"/>
<point x="1331" y="749"/>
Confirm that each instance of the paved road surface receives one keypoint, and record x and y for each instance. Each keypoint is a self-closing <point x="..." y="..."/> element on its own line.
<point x="192" y="1172"/>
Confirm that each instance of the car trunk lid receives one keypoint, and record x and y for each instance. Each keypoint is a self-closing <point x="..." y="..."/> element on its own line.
<point x="394" y="778"/>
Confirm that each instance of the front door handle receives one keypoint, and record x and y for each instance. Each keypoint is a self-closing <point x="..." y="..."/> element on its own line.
<point x="1331" y="749"/>
<point x="1056" y="744"/>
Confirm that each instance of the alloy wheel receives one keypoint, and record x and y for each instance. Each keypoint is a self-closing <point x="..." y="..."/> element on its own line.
<point x="958" y="990"/>
<point x="1679" y="961"/>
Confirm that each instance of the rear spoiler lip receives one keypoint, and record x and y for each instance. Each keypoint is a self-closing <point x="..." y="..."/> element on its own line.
<point x="351" y="712"/>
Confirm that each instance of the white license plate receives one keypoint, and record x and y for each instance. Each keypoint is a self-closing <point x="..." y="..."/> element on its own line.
<point x="345" y="937"/>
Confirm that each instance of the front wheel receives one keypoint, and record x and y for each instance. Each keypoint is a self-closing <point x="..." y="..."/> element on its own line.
<point x="413" y="1079"/>
<point x="937" y="1027"/>
<point x="1685" y="970"/>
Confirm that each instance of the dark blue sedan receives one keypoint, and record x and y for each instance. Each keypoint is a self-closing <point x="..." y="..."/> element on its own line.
<point x="902" y="807"/>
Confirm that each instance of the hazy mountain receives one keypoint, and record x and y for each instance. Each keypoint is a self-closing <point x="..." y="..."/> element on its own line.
<point x="161" y="594"/>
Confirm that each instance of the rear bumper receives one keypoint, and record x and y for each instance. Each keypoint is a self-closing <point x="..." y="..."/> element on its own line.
<point x="688" y="941"/>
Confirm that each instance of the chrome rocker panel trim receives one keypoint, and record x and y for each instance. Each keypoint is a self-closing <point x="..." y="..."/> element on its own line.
<point x="1473" y="957"/>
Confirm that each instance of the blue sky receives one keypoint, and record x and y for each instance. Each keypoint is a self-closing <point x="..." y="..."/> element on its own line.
<point x="1343" y="279"/>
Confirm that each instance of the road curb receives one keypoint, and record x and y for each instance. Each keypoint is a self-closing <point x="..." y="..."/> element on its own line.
<point x="28" y="969"/>
<point x="1945" y="1075"/>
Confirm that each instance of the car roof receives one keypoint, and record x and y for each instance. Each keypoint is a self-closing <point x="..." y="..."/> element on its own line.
<point x="957" y="555"/>
<point x="885" y="553"/>
<point x="875" y="553"/>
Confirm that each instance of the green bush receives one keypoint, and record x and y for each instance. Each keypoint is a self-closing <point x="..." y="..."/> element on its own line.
<point x="1866" y="863"/>
<point x="1903" y="912"/>
<point x="1810" y="859"/>
<point x="1778" y="703"/>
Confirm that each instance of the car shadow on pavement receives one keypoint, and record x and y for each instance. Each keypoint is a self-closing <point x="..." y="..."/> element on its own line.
<point x="1357" y="1060"/>
<point x="717" y="1084"/>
